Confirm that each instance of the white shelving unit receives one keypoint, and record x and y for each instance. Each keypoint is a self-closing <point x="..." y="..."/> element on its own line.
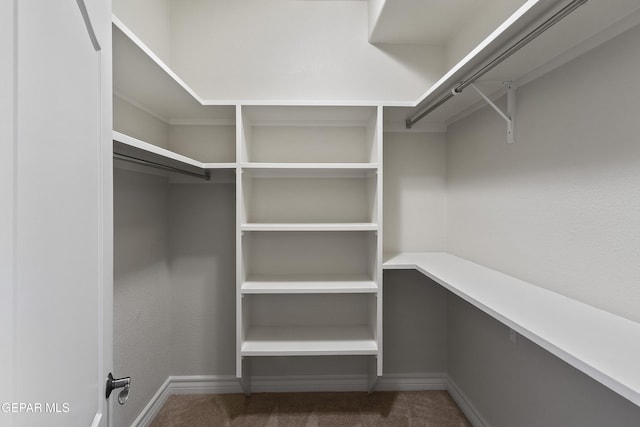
<point x="309" y="211"/>
<point x="309" y="204"/>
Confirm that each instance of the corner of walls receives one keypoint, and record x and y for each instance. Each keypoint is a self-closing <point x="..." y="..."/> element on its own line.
<point x="133" y="121"/>
<point x="414" y="192"/>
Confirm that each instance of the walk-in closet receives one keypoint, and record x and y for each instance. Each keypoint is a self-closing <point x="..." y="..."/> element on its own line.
<point x="312" y="212"/>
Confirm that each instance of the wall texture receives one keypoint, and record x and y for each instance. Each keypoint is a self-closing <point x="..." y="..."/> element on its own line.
<point x="203" y="279"/>
<point x="415" y="324"/>
<point x="520" y="384"/>
<point x="558" y="208"/>
<point x="414" y="192"/>
<point x="202" y="260"/>
<point x="142" y="288"/>
<point x="149" y="20"/>
<point x="245" y="50"/>
<point x="136" y="123"/>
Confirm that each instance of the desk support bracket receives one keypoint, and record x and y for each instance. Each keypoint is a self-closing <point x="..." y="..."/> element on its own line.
<point x="509" y="117"/>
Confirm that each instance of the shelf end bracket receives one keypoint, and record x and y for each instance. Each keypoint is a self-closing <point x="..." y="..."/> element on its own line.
<point x="509" y="117"/>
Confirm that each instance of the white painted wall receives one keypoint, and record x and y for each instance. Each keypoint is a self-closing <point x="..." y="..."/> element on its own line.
<point x="414" y="192"/>
<point x="142" y="288"/>
<point x="149" y="20"/>
<point x="521" y="384"/>
<point x="206" y="143"/>
<point x="558" y="208"/>
<point x="293" y="50"/>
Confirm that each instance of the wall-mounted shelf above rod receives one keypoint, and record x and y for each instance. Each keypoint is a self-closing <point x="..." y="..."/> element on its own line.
<point x="524" y="26"/>
<point x="133" y="150"/>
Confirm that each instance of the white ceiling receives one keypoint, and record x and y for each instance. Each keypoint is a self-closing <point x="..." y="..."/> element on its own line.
<point x="422" y="21"/>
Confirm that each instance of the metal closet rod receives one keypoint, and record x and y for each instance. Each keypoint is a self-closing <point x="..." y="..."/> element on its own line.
<point x="498" y="59"/>
<point x="205" y="175"/>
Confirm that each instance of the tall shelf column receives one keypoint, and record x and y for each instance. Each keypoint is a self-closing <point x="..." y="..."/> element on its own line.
<point x="309" y="238"/>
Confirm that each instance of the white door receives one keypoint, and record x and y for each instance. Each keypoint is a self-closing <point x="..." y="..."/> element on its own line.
<point x="55" y="220"/>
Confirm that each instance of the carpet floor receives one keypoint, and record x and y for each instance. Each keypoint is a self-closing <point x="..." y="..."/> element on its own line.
<point x="412" y="408"/>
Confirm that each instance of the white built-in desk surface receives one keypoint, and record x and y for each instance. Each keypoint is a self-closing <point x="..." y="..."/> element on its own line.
<point x="600" y="344"/>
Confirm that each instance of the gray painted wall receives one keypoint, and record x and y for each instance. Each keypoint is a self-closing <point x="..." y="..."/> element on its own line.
<point x="141" y="288"/>
<point x="522" y="384"/>
<point x="415" y="324"/>
<point x="414" y="192"/>
<point x="136" y="123"/>
<point x="203" y="286"/>
<point x="558" y="208"/>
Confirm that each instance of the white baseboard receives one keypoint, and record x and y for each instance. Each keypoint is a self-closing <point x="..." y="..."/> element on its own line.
<point x="465" y="405"/>
<point x="153" y="407"/>
<point x="412" y="382"/>
<point x="204" y="384"/>
<point x="216" y="384"/>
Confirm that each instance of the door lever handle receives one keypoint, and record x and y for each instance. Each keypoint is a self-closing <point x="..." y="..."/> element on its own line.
<point x="114" y="383"/>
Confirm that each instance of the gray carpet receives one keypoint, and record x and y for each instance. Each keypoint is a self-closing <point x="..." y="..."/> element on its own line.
<point x="419" y="408"/>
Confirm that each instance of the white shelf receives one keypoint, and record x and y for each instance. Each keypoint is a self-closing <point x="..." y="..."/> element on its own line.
<point x="309" y="170"/>
<point x="144" y="80"/>
<point x="316" y="284"/>
<point x="301" y="165"/>
<point x="364" y="226"/>
<point x="219" y="165"/>
<point x="602" y="345"/>
<point x="144" y="149"/>
<point x="309" y="341"/>
<point x="141" y="150"/>
<point x="587" y="27"/>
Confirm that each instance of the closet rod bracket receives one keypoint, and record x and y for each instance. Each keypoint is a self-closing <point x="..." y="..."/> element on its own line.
<point x="509" y="117"/>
